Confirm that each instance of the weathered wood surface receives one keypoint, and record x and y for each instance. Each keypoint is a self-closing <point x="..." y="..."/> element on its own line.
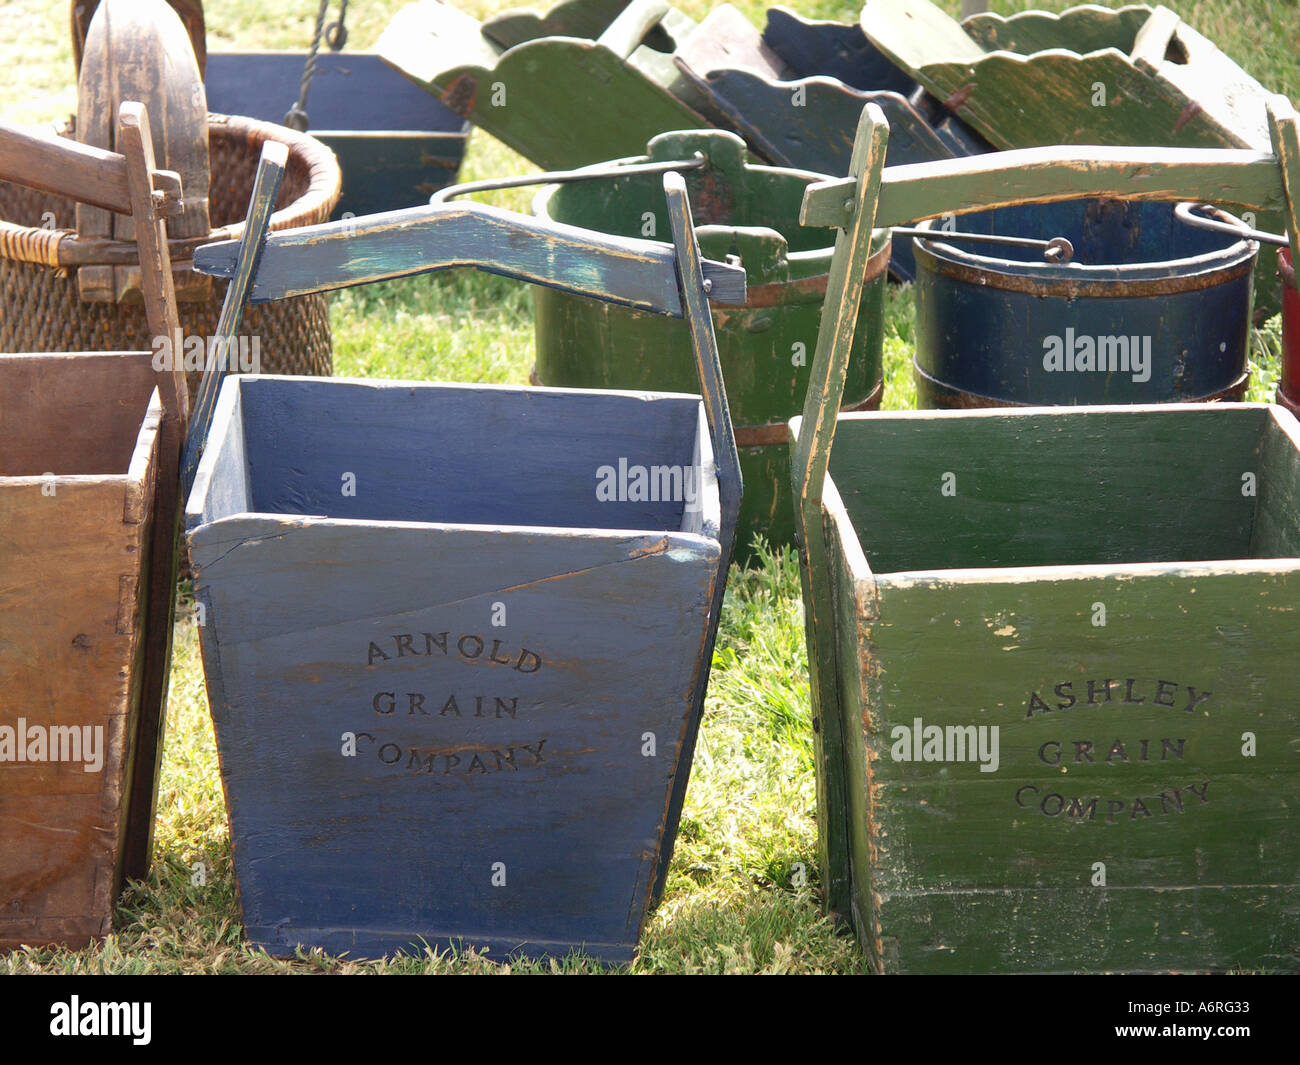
<point x="558" y="790"/>
<point x="809" y="456"/>
<point x="1041" y="175"/>
<point x="261" y="206"/>
<point x="1149" y="310"/>
<point x="190" y="12"/>
<point x="66" y="168"/>
<point x="335" y="255"/>
<point x="974" y="871"/>
<point x="1030" y="79"/>
<point x="395" y="144"/>
<point x="800" y="114"/>
<point x="79" y="461"/>
<point x="835" y="49"/>
<point x="728" y="481"/>
<point x="560" y="101"/>
<point x="141" y="52"/>
<point x="743" y="209"/>
<point x="407" y="544"/>
<point x="1089" y="75"/>
<point x="941" y="870"/>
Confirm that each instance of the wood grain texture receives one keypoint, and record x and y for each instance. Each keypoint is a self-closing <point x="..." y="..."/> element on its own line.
<point x="334" y="255"/>
<point x="72" y="430"/>
<point x="1039" y="539"/>
<point x="160" y="565"/>
<point x="79" y="451"/>
<point x="261" y="206"/>
<point x="372" y="853"/>
<point x="396" y="145"/>
<point x="1042" y="175"/>
<point x="1166" y="84"/>
<point x="800" y="113"/>
<point x="958" y="871"/>
<point x="1090" y="76"/>
<point x="810" y="452"/>
<point x="561" y="101"/>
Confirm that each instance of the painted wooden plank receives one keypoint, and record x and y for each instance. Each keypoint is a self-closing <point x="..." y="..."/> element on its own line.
<point x="396" y="145"/>
<point x="261" y="205"/>
<point x="1041" y="175"/>
<point x="1203" y="98"/>
<point x="704" y="346"/>
<point x="835" y="49"/>
<point x="637" y="273"/>
<point x="1086" y="28"/>
<point x="561" y="101"/>
<point x="809" y="456"/>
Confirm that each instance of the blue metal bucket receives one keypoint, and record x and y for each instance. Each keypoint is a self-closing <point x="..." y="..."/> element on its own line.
<point x="1148" y="311"/>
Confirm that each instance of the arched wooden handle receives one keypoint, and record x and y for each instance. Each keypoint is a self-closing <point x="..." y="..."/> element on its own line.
<point x="355" y="251"/>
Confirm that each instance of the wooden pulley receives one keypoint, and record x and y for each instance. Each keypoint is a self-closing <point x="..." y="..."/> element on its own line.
<point x="190" y="12"/>
<point x="140" y="50"/>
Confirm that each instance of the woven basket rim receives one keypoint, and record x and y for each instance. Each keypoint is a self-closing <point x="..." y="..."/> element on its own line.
<point x="62" y="248"/>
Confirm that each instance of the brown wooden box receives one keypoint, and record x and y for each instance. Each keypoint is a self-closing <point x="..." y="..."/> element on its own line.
<point x="78" y="470"/>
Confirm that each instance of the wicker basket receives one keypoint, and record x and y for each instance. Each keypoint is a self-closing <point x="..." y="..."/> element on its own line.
<point x="40" y="309"/>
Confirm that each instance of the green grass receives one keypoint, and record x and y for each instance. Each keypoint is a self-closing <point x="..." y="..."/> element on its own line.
<point x="742" y="890"/>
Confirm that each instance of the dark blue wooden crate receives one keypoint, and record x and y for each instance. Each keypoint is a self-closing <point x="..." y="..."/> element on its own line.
<point x="502" y="791"/>
<point x="396" y="144"/>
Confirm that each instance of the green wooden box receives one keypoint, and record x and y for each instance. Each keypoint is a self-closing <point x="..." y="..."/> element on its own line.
<point x="1052" y="649"/>
<point x="1066" y="686"/>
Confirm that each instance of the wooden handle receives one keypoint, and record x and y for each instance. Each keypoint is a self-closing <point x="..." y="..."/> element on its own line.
<point x="708" y="363"/>
<point x="624" y="270"/>
<point x="1152" y="40"/>
<point x="625" y="33"/>
<point x="261" y="205"/>
<point x="811" y="454"/>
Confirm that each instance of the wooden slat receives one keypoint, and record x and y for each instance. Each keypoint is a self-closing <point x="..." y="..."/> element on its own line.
<point x="261" y="205"/>
<point x="810" y="454"/>
<point x="63" y="167"/>
<point x="637" y="273"/>
<point x="1042" y="175"/>
<point x="704" y="345"/>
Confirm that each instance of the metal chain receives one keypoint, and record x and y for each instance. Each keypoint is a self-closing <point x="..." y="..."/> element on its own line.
<point x="296" y="118"/>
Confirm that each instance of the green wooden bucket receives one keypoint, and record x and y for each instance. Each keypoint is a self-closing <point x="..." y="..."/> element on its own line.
<point x="1052" y="649"/>
<point x="744" y="210"/>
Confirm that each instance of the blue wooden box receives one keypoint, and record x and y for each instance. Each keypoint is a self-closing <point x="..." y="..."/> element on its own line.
<point x="500" y="787"/>
<point x="396" y="144"/>
<point x="457" y="637"/>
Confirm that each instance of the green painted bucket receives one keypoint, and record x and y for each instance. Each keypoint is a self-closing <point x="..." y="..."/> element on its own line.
<point x="744" y="210"/>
